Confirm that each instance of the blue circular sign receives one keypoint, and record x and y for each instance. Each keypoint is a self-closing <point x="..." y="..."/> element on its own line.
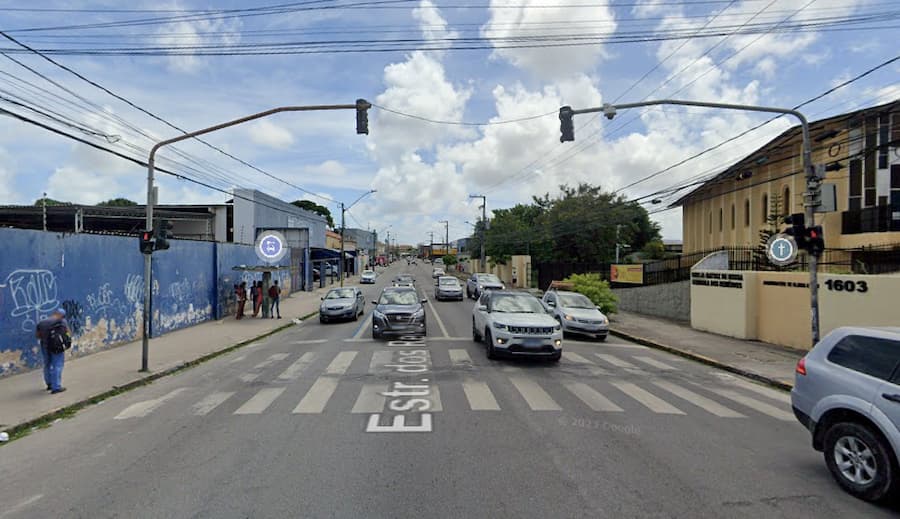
<point x="781" y="249"/>
<point x="271" y="246"/>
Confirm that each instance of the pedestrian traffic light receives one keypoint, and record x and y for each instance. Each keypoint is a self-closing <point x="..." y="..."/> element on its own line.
<point x="815" y="240"/>
<point x="362" y="116"/>
<point x="797" y="229"/>
<point x="163" y="235"/>
<point x="147" y="242"/>
<point x="566" y="126"/>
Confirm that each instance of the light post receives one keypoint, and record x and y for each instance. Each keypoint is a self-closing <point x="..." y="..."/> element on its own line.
<point x="483" y="226"/>
<point x="813" y="181"/>
<point x="446" y="236"/>
<point x="361" y="106"/>
<point x="343" y="212"/>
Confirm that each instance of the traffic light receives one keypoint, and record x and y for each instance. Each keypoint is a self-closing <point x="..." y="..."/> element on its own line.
<point x="362" y="116"/>
<point x="815" y="240"/>
<point x="797" y="229"/>
<point x="566" y="126"/>
<point x="163" y="235"/>
<point x="147" y="242"/>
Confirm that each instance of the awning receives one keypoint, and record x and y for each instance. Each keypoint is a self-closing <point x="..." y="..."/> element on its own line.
<point x="261" y="268"/>
<point x="324" y="254"/>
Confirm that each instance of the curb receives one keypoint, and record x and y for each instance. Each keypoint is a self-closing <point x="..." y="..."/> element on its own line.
<point x="22" y="429"/>
<point x="777" y="384"/>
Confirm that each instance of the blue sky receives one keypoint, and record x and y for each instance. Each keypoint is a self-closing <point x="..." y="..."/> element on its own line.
<point x="423" y="172"/>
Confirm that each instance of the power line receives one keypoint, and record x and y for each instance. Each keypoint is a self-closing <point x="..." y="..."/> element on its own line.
<point x="463" y="123"/>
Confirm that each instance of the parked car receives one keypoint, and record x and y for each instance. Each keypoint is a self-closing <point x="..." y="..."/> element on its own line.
<point x="577" y="314"/>
<point x="448" y="287"/>
<point x="368" y="277"/>
<point x="398" y="311"/>
<point x="404" y="280"/>
<point x="847" y="394"/>
<point x="437" y="272"/>
<point x="478" y="283"/>
<point x="515" y="324"/>
<point x="342" y="303"/>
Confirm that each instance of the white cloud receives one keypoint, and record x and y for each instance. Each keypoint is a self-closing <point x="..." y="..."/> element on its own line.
<point x="8" y="195"/>
<point x="266" y="133"/>
<point x="329" y="168"/>
<point x="202" y="31"/>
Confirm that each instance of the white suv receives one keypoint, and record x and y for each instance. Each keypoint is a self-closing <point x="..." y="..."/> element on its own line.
<point x="515" y="324"/>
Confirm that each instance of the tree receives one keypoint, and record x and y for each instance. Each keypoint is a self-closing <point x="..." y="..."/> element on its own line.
<point x="309" y="205"/>
<point x="655" y="249"/>
<point x="596" y="289"/>
<point x="513" y="231"/>
<point x="50" y="202"/>
<point x="118" y="202"/>
<point x="450" y="260"/>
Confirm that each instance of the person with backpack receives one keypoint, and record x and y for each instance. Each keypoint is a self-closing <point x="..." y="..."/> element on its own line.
<point x="275" y="296"/>
<point x="55" y="338"/>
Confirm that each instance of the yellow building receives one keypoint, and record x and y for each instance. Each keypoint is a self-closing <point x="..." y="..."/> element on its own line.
<point x="862" y="149"/>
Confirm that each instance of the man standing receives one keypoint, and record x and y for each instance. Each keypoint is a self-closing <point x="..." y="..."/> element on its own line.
<point x="275" y="296"/>
<point x="53" y="333"/>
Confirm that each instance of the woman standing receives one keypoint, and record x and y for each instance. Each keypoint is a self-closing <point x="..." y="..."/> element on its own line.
<point x="241" y="299"/>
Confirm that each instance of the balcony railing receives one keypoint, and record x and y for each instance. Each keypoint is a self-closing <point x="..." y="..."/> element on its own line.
<point x="881" y="218"/>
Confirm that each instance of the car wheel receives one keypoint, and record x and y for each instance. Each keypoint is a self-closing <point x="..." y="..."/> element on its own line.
<point x="860" y="460"/>
<point x="489" y="341"/>
<point x="475" y="336"/>
<point x="375" y="335"/>
<point x="601" y="338"/>
<point x="322" y="319"/>
<point x="356" y="315"/>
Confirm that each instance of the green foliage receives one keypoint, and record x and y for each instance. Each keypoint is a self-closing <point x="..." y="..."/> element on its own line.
<point x="655" y="249"/>
<point x="450" y="259"/>
<point x="118" y="202"/>
<point x="596" y="289"/>
<point x="50" y="202"/>
<point x="309" y="205"/>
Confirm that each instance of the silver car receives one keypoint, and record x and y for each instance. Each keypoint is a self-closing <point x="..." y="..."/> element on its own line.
<point x="479" y="282"/>
<point x="515" y="324"/>
<point x="577" y="314"/>
<point x="847" y="393"/>
<point x="368" y="277"/>
<point x="342" y="303"/>
<point x="448" y="287"/>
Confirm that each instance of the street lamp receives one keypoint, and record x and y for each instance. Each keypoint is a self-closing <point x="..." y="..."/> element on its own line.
<point x="483" y="225"/>
<point x="343" y="212"/>
<point x="446" y="236"/>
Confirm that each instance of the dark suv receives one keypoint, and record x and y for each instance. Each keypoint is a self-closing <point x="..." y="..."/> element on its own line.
<point x="398" y="311"/>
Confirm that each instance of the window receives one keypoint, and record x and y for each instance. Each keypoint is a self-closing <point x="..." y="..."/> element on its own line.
<point x="709" y="222"/>
<point x="873" y="356"/>
<point x="787" y="201"/>
<point x="765" y="208"/>
<point x="721" y="218"/>
<point x="733" y="216"/>
<point x="746" y="212"/>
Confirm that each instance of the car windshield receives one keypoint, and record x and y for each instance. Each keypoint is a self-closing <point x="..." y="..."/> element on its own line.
<point x="519" y="304"/>
<point x="399" y="297"/>
<point x="368" y="272"/>
<point x="341" y="293"/>
<point x="488" y="278"/>
<point x="448" y="281"/>
<point x="575" y="301"/>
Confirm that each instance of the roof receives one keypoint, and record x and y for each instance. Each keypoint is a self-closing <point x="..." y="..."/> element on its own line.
<point x="792" y="133"/>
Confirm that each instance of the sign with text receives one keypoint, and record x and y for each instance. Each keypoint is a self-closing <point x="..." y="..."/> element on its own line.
<point x="627" y="274"/>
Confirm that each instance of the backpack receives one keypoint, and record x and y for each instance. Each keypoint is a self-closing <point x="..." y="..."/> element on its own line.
<point x="273" y="291"/>
<point x="58" y="339"/>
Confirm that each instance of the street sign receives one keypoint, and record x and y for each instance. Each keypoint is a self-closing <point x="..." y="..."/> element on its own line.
<point x="271" y="246"/>
<point x="781" y="249"/>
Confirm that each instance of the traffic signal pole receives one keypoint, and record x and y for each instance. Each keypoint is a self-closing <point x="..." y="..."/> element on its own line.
<point x="361" y="106"/>
<point x="813" y="182"/>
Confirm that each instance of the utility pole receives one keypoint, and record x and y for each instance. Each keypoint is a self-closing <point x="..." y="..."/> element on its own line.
<point x="44" y="209"/>
<point x="813" y="181"/>
<point x="431" y="247"/>
<point x="446" y="236"/>
<point x="344" y="212"/>
<point x="483" y="227"/>
<point x="361" y="106"/>
<point x="618" y="226"/>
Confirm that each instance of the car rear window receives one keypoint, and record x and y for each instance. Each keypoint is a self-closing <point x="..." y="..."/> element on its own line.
<point x="873" y="356"/>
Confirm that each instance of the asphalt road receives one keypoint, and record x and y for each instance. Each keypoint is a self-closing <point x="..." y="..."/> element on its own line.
<point x="298" y="426"/>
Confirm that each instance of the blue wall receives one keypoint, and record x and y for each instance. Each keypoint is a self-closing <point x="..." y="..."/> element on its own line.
<point x="99" y="281"/>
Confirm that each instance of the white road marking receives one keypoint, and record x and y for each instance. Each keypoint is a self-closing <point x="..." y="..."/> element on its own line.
<point x="756" y="388"/>
<point x="615" y="361"/>
<point x="341" y="363"/>
<point x="479" y="396"/>
<point x="449" y="339"/>
<point x="460" y="358"/>
<point x="379" y="359"/>
<point x="310" y="341"/>
<point x="650" y="361"/>
<point x="700" y="401"/>
<point x="294" y="370"/>
<point x="593" y="369"/>
<point x="260" y="401"/>
<point x="248" y="377"/>
<point x="650" y="401"/>
<point x="211" y="402"/>
<point x="276" y="357"/>
<point x="370" y="399"/>
<point x="437" y="317"/>
<point x="142" y="409"/>
<point x="591" y="397"/>
<point x="435" y="398"/>
<point x="359" y="340"/>
<point x="534" y="395"/>
<point x="237" y="359"/>
<point x="318" y="395"/>
<point x="366" y="325"/>
<point x="756" y="405"/>
<point x="619" y="345"/>
<point x="19" y="506"/>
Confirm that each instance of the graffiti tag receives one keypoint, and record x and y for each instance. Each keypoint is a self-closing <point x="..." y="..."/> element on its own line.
<point x="134" y="288"/>
<point x="34" y="295"/>
<point x="74" y="316"/>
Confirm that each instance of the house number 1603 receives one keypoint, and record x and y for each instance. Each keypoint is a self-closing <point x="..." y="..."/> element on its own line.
<point x="840" y="285"/>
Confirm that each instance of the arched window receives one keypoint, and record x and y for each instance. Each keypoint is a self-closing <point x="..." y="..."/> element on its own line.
<point x="721" y="222"/>
<point x="733" y="217"/>
<point x="786" y="202"/>
<point x="765" y="208"/>
<point x="746" y="212"/>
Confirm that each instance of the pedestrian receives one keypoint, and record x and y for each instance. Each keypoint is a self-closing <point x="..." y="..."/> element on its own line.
<point x="254" y="296"/>
<point x="275" y="296"/>
<point x="241" y="299"/>
<point x="55" y="338"/>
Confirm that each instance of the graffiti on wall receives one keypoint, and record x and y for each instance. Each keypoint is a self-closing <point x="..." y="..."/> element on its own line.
<point x="74" y="316"/>
<point x="33" y="295"/>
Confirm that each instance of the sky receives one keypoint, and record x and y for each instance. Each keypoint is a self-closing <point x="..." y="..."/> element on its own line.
<point x="493" y="109"/>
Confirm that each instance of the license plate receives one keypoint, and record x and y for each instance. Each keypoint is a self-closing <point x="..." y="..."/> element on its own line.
<point x="532" y="343"/>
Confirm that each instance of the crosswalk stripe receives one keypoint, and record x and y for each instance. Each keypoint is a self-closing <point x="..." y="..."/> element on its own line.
<point x="535" y="396"/>
<point x="756" y="388"/>
<point x="276" y="357"/>
<point x="698" y="400"/>
<point x="142" y="409"/>
<point x="341" y="363"/>
<point x="574" y="357"/>
<point x="649" y="400"/>
<point x="593" y="369"/>
<point x="248" y="377"/>
<point x="294" y="370"/>
<point x="460" y="358"/>
<point x="650" y="361"/>
<point x="237" y="359"/>
<point x="435" y="399"/>
<point x="260" y="401"/>
<point x="479" y="396"/>
<point x="379" y="359"/>
<point x="211" y="402"/>
<point x="318" y="395"/>
<point x="615" y="361"/>
<point x="370" y="399"/>
<point x="591" y="397"/>
<point x="754" y="404"/>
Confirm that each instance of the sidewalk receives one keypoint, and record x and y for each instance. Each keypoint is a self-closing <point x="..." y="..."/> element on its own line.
<point x="23" y="399"/>
<point x="767" y="363"/>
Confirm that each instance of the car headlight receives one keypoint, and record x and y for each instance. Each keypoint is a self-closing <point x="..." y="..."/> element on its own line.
<point x="500" y="326"/>
<point x="378" y="315"/>
<point x="604" y="320"/>
<point x="480" y="287"/>
<point x="568" y="317"/>
<point x="419" y="313"/>
<point x="557" y="328"/>
<point x="502" y="287"/>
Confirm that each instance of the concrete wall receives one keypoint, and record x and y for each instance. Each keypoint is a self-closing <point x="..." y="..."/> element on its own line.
<point x="515" y="273"/>
<point x="669" y="300"/>
<point x="99" y="281"/>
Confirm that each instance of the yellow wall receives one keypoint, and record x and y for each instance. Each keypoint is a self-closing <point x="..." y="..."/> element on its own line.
<point x="722" y="302"/>
<point x="520" y="264"/>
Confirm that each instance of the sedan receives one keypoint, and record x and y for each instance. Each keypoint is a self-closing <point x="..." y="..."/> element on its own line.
<point x="437" y="272"/>
<point x="368" y="277"/>
<point x="342" y="303"/>
<point x="398" y="312"/>
<point x="448" y="287"/>
<point x="577" y="314"/>
<point x="479" y="282"/>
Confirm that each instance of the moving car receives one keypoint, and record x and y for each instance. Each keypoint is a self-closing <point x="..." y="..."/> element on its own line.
<point x="398" y="311"/>
<point x="847" y="394"/>
<point x="515" y="324"/>
<point x="448" y="287"/>
<point x="478" y="283"/>
<point x="437" y="272"/>
<point x="368" y="277"/>
<point x="404" y="280"/>
<point x="577" y="314"/>
<point x="342" y="303"/>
